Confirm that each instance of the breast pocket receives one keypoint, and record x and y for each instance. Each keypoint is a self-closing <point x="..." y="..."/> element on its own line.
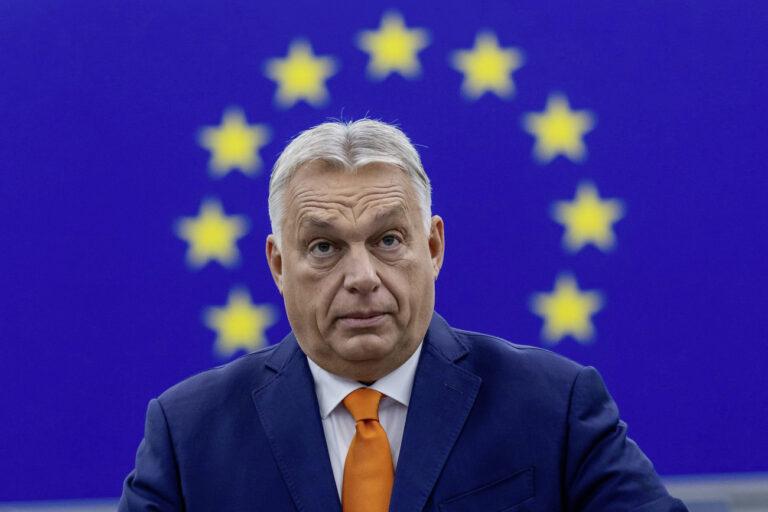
<point x="498" y="496"/>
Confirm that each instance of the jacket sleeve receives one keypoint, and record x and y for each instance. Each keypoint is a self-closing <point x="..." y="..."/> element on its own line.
<point x="154" y="483"/>
<point x="605" y="470"/>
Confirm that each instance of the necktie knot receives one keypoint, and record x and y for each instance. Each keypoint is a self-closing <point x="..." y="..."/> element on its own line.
<point x="363" y="404"/>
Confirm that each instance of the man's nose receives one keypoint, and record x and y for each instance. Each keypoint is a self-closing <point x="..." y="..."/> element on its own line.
<point x="360" y="271"/>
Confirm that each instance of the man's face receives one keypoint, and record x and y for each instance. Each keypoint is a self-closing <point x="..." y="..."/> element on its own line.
<point x="356" y="267"/>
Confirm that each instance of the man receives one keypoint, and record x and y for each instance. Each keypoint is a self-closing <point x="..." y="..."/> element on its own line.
<point x="374" y="402"/>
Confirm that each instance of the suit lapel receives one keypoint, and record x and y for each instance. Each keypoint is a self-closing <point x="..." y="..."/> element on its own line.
<point x="442" y="396"/>
<point x="288" y="411"/>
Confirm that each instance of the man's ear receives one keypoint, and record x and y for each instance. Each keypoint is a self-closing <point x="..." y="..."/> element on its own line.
<point x="436" y="243"/>
<point x="275" y="262"/>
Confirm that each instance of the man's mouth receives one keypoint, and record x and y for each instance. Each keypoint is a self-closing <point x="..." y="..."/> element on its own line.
<point x="362" y="318"/>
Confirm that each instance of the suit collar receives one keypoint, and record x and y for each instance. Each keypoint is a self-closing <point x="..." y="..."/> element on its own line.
<point x="283" y="352"/>
<point x="442" y="338"/>
<point x="288" y="412"/>
<point x="443" y="395"/>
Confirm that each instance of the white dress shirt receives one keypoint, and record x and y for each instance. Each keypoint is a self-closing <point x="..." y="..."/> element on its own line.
<point x="338" y="423"/>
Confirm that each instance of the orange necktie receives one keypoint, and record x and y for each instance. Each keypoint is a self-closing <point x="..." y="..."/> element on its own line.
<point x="368" y="470"/>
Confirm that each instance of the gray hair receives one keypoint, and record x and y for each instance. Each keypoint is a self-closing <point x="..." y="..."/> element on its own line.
<point x="348" y="146"/>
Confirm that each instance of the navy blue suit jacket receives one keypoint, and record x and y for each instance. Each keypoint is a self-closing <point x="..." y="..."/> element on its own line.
<point x="491" y="426"/>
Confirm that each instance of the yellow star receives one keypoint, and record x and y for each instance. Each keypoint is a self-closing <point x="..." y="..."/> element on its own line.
<point x="588" y="219"/>
<point x="212" y="235"/>
<point x="393" y="47"/>
<point x="240" y="325"/>
<point x="234" y="144"/>
<point x="559" y="130"/>
<point x="301" y="75"/>
<point x="567" y="310"/>
<point x="487" y="67"/>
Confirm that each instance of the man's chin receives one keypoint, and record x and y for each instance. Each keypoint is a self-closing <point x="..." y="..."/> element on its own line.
<point x="365" y="347"/>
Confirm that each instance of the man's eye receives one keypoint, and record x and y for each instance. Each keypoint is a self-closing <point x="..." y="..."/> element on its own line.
<point x="321" y="249"/>
<point x="389" y="242"/>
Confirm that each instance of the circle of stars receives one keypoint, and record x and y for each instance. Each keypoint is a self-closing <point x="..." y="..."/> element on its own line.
<point x="393" y="48"/>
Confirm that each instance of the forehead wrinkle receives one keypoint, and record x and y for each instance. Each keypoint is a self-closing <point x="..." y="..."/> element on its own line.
<point x="319" y="207"/>
<point x="382" y="211"/>
<point x="365" y="200"/>
<point x="321" y="214"/>
<point x="311" y="195"/>
<point x="368" y="195"/>
<point x="318" y="216"/>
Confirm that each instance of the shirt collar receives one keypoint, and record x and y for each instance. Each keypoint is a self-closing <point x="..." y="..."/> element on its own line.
<point x="331" y="389"/>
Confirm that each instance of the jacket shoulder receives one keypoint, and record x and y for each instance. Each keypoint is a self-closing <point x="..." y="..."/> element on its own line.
<point x="218" y="386"/>
<point x="492" y="356"/>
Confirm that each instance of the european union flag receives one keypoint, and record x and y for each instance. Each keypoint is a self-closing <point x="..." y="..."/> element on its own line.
<point x="599" y="167"/>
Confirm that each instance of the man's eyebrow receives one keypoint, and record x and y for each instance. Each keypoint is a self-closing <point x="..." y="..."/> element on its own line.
<point x="315" y="222"/>
<point x="389" y="213"/>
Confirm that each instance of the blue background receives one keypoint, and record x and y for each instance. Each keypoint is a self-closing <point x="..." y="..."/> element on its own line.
<point x="100" y="104"/>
